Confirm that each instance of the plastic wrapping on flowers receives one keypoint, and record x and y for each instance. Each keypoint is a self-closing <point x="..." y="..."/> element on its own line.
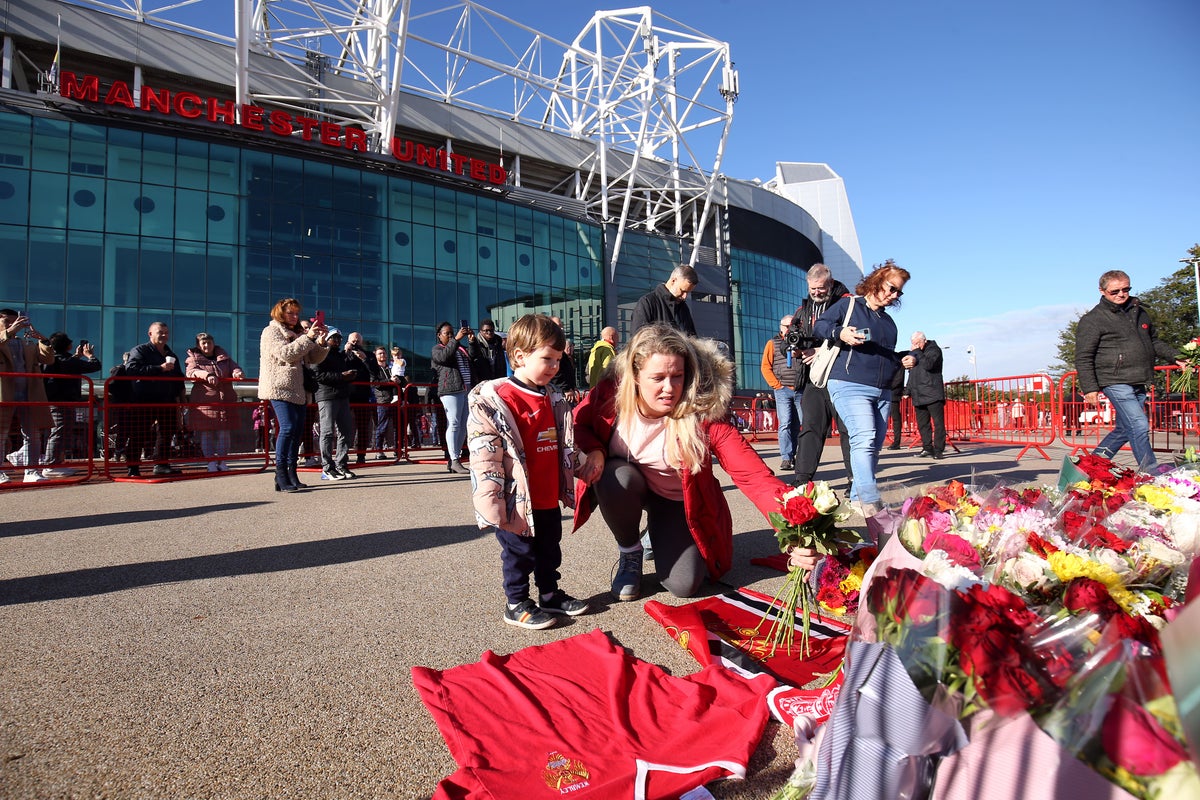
<point x="1047" y="604"/>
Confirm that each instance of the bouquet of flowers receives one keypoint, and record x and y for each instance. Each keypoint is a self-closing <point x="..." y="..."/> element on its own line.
<point x="839" y="578"/>
<point x="807" y="518"/>
<point x="1189" y="354"/>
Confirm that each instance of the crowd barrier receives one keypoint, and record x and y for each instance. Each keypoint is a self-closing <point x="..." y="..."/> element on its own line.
<point x="229" y="431"/>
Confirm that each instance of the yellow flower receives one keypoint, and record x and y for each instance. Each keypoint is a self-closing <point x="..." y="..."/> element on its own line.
<point x="1068" y="566"/>
<point x="1159" y="497"/>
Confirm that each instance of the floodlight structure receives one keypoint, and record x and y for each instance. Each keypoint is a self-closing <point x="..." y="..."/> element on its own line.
<point x="651" y="97"/>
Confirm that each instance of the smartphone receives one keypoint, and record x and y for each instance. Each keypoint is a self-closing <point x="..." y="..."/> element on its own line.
<point x="866" y="334"/>
<point x="462" y="323"/>
<point x="319" y="319"/>
<point x="84" y="342"/>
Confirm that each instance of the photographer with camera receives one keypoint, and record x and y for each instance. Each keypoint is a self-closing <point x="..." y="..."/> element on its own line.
<point x="816" y="408"/>
<point x="781" y="367"/>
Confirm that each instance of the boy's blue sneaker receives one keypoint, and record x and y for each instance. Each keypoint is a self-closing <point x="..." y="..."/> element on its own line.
<point x="527" y="615"/>
<point x="562" y="603"/>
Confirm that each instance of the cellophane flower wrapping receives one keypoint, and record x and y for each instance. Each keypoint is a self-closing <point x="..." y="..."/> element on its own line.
<point x="1002" y="604"/>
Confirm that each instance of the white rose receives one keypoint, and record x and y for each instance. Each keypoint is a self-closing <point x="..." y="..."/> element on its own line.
<point x="1114" y="561"/>
<point x="1027" y="571"/>
<point x="938" y="566"/>
<point x="912" y="536"/>
<point x="823" y="498"/>
<point x="1161" y="552"/>
<point x="1190" y="346"/>
<point x="1185" y="531"/>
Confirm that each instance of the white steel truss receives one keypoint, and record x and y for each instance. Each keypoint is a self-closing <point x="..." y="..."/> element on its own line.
<point x="652" y="97"/>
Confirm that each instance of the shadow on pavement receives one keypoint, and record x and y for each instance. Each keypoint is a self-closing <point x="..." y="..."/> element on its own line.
<point x="36" y="526"/>
<point x="300" y="555"/>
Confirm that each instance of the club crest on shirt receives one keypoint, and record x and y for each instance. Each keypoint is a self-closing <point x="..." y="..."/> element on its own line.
<point x="564" y="775"/>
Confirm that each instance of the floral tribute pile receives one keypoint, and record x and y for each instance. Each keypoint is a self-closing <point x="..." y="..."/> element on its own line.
<point x="1037" y="604"/>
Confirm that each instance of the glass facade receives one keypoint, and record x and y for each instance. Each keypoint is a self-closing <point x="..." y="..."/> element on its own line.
<point x="104" y="230"/>
<point x="764" y="290"/>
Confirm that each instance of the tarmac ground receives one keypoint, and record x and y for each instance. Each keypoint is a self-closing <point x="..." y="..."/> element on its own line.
<point x="215" y="639"/>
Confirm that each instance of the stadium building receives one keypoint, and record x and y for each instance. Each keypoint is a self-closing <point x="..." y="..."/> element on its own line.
<point x="394" y="163"/>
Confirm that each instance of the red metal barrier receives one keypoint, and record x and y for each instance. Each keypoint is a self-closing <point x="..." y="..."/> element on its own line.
<point x="1015" y="410"/>
<point x="424" y="426"/>
<point x="62" y="432"/>
<point x="193" y="437"/>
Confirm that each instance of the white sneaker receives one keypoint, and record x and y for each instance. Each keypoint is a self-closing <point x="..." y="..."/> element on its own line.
<point x="58" y="472"/>
<point x="4" y="477"/>
<point x="33" y="476"/>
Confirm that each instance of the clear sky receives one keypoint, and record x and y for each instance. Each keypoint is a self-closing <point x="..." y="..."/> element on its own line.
<point x="1006" y="154"/>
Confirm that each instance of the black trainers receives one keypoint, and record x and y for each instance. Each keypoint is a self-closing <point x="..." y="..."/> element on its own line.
<point x="527" y="615"/>
<point x="562" y="603"/>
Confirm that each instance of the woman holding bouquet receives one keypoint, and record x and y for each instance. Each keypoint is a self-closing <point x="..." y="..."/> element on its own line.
<point x="861" y="378"/>
<point x="650" y="430"/>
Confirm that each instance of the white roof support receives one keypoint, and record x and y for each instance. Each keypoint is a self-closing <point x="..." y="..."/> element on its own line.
<point x="655" y="97"/>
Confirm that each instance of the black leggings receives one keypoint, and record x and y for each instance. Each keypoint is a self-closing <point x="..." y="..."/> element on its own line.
<point x="622" y="493"/>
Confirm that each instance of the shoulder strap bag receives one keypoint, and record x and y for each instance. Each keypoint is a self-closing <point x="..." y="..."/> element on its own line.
<point x="822" y="363"/>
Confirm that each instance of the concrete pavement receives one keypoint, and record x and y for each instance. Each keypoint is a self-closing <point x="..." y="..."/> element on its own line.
<point x="215" y="639"/>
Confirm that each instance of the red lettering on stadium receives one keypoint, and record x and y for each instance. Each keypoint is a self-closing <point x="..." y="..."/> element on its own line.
<point x="190" y="105"/>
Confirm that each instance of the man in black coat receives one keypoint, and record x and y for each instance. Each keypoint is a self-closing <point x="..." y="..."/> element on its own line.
<point x="1115" y="351"/>
<point x="668" y="303"/>
<point x="927" y="388"/>
<point x="160" y="388"/>
<point x="816" y="408"/>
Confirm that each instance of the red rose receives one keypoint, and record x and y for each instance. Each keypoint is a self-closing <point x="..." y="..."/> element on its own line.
<point x="1085" y="594"/>
<point x="1010" y="689"/>
<point x="799" y="510"/>
<point x="1100" y="536"/>
<point x="908" y="594"/>
<point x="1073" y="523"/>
<point x="1135" y="740"/>
<point x="922" y="507"/>
<point x="958" y="549"/>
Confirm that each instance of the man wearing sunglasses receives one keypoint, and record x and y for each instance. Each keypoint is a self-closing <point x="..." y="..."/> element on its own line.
<point x="1115" y="352"/>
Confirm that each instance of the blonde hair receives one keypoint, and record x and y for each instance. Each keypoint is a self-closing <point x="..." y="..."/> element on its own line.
<point x="687" y="445"/>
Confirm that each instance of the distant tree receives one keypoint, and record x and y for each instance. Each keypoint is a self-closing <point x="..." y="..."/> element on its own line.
<point x="1172" y="306"/>
<point x="959" y="388"/>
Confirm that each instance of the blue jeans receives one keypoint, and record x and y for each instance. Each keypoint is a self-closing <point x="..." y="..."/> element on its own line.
<point x="787" y="406"/>
<point x="1131" y="425"/>
<point x="864" y="410"/>
<point x="455" y="404"/>
<point x="291" y="428"/>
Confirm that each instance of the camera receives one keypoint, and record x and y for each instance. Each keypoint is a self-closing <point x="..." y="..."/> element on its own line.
<point x="797" y="340"/>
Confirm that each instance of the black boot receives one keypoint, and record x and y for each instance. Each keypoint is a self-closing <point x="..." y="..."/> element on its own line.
<point x="282" y="479"/>
<point x="295" y="480"/>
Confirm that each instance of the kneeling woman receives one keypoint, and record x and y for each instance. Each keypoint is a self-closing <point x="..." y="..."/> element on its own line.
<point x="650" y="429"/>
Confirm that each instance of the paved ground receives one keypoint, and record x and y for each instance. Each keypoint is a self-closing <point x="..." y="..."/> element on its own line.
<point x="213" y="638"/>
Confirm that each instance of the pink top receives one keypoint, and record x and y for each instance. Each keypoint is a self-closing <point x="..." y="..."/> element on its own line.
<point x="644" y="443"/>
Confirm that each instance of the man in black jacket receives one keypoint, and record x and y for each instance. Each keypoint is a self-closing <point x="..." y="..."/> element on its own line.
<point x="816" y="408"/>
<point x="335" y="377"/>
<point x="63" y="385"/>
<point x="927" y="388"/>
<point x="1115" y="352"/>
<point x="668" y="303"/>
<point x="159" y="386"/>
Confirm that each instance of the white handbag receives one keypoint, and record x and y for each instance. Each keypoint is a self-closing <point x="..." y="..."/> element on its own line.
<point x="822" y="363"/>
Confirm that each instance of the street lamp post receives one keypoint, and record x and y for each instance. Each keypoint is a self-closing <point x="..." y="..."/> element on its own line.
<point x="974" y="368"/>
<point x="1194" y="262"/>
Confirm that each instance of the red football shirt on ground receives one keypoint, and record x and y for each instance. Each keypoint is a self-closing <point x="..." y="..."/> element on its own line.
<point x="581" y="717"/>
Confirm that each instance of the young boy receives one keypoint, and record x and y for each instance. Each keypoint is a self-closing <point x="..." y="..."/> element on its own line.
<point x="523" y="460"/>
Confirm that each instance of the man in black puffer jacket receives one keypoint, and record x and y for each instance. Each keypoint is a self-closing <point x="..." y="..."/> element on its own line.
<point x="335" y="375"/>
<point x="1115" y="352"/>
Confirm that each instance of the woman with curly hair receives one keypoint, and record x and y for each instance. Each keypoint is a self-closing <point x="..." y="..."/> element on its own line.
<point x="650" y="429"/>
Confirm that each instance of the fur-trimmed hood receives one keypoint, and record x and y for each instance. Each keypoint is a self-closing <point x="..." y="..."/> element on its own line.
<point x="714" y="385"/>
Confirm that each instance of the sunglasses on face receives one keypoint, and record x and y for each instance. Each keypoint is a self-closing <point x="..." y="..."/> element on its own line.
<point x="1118" y="291"/>
<point x="887" y="287"/>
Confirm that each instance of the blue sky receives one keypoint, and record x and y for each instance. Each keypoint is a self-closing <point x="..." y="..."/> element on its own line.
<point x="1006" y="154"/>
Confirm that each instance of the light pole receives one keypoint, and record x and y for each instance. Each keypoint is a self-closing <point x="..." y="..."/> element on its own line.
<point x="974" y="368"/>
<point x="1194" y="262"/>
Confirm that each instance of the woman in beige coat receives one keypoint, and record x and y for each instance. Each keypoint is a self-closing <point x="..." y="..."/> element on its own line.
<point x="284" y="349"/>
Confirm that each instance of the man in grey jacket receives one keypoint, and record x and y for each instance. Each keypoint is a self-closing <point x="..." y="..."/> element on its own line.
<point x="1115" y="352"/>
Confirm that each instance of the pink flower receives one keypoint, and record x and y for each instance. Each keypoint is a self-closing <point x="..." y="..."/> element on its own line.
<point x="957" y="549"/>
<point x="1136" y="742"/>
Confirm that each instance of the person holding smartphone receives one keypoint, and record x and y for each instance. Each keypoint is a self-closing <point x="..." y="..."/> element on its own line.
<point x="284" y="349"/>
<point x="451" y="357"/>
<point x="23" y="350"/>
<point x="861" y="379"/>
